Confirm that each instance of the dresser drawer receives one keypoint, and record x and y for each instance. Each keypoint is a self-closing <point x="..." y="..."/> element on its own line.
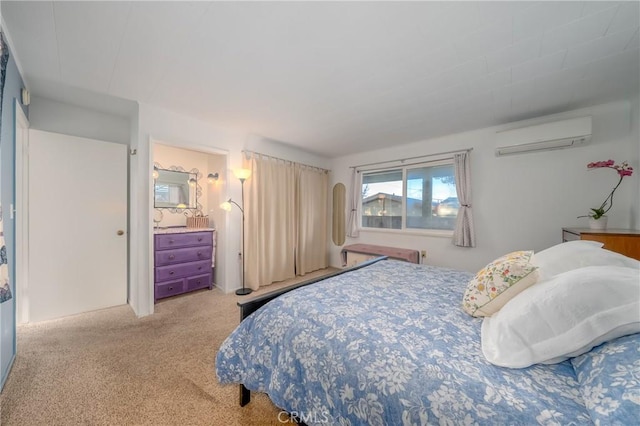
<point x="170" y="288"/>
<point x="191" y="254"/>
<point x="201" y="281"/>
<point x="169" y="272"/>
<point x="167" y="241"/>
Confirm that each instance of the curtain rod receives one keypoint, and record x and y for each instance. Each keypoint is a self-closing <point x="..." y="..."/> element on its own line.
<point x="402" y="160"/>
<point x="282" y="159"/>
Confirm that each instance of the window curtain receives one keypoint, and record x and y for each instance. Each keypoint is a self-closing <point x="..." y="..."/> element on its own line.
<point x="270" y="218"/>
<point x="464" y="232"/>
<point x="354" y="196"/>
<point x="311" y="200"/>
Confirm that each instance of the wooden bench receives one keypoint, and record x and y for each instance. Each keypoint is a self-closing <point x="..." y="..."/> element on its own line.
<point x="356" y="253"/>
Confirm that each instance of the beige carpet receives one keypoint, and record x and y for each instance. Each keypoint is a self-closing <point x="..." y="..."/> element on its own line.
<point x="110" y="368"/>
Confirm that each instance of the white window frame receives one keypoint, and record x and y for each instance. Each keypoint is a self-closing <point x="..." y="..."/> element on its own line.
<point x="403" y="229"/>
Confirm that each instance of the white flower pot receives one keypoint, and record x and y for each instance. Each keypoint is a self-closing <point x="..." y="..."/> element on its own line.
<point x="598" y="223"/>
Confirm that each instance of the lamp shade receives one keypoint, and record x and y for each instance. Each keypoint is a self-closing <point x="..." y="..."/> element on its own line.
<point x="242" y="174"/>
<point x="226" y="206"/>
<point x="212" y="177"/>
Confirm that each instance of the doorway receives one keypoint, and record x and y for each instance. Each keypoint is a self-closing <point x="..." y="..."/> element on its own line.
<point x="207" y="160"/>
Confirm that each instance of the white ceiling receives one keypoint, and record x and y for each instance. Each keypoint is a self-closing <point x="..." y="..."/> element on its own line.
<point x="334" y="77"/>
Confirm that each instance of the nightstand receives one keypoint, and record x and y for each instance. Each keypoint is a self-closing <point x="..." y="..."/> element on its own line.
<point x="623" y="241"/>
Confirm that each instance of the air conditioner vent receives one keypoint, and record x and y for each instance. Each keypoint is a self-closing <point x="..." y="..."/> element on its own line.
<point x="544" y="137"/>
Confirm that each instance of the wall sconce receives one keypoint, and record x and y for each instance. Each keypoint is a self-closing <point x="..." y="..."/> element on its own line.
<point x="192" y="182"/>
<point x="155" y="173"/>
<point x="212" y="177"/>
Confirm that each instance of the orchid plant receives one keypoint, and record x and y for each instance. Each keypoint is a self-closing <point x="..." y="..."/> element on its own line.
<point x="623" y="170"/>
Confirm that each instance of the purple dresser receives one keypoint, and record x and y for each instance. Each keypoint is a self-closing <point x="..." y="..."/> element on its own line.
<point x="183" y="261"/>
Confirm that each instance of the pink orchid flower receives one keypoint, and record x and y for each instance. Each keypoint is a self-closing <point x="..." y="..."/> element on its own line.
<point x="623" y="170"/>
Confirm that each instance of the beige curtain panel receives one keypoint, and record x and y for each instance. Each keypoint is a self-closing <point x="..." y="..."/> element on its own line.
<point x="270" y="215"/>
<point x="312" y="186"/>
<point x="286" y="220"/>
<point x="464" y="234"/>
<point x="354" y="197"/>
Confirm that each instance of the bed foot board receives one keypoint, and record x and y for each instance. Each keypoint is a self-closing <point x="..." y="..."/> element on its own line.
<point x="245" y="396"/>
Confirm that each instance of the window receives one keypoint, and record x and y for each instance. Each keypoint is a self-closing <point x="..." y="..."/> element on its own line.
<point x="431" y="201"/>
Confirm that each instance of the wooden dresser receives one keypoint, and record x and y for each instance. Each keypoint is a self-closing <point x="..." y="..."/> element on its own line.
<point x="623" y="241"/>
<point x="183" y="261"/>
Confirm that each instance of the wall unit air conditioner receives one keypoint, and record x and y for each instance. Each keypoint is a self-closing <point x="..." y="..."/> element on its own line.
<point x="544" y="137"/>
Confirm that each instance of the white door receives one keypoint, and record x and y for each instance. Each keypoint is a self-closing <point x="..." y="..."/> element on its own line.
<point x="77" y="225"/>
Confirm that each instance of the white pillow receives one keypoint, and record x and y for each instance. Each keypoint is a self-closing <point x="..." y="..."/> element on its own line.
<point x="564" y="317"/>
<point x="577" y="254"/>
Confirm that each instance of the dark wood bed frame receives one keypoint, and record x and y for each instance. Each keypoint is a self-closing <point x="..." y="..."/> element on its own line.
<point x="250" y="306"/>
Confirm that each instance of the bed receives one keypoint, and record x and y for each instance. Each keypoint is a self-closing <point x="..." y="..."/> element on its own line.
<point x="387" y="344"/>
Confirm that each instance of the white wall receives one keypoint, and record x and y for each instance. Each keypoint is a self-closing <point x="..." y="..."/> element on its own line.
<point x="521" y="201"/>
<point x="67" y="119"/>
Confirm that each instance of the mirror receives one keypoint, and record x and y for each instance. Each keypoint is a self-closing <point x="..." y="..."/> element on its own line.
<point x="175" y="189"/>
<point x="338" y="231"/>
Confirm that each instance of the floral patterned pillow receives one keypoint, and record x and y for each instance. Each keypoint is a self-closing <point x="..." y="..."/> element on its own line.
<point x="498" y="282"/>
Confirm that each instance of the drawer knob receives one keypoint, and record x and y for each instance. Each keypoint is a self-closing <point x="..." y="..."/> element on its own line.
<point x="170" y="288"/>
<point x="171" y="257"/>
<point x="199" y="253"/>
<point x="199" y="238"/>
<point x="170" y="241"/>
<point x="198" y="282"/>
<point x="171" y="272"/>
<point x="199" y="268"/>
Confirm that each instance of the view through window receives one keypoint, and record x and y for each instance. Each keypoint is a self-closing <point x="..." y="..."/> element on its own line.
<point x="418" y="197"/>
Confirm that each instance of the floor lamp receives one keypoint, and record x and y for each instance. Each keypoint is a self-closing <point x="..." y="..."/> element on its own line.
<point x="242" y="174"/>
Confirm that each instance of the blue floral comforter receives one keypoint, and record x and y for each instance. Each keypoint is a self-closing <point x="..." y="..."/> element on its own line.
<point x="389" y="344"/>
